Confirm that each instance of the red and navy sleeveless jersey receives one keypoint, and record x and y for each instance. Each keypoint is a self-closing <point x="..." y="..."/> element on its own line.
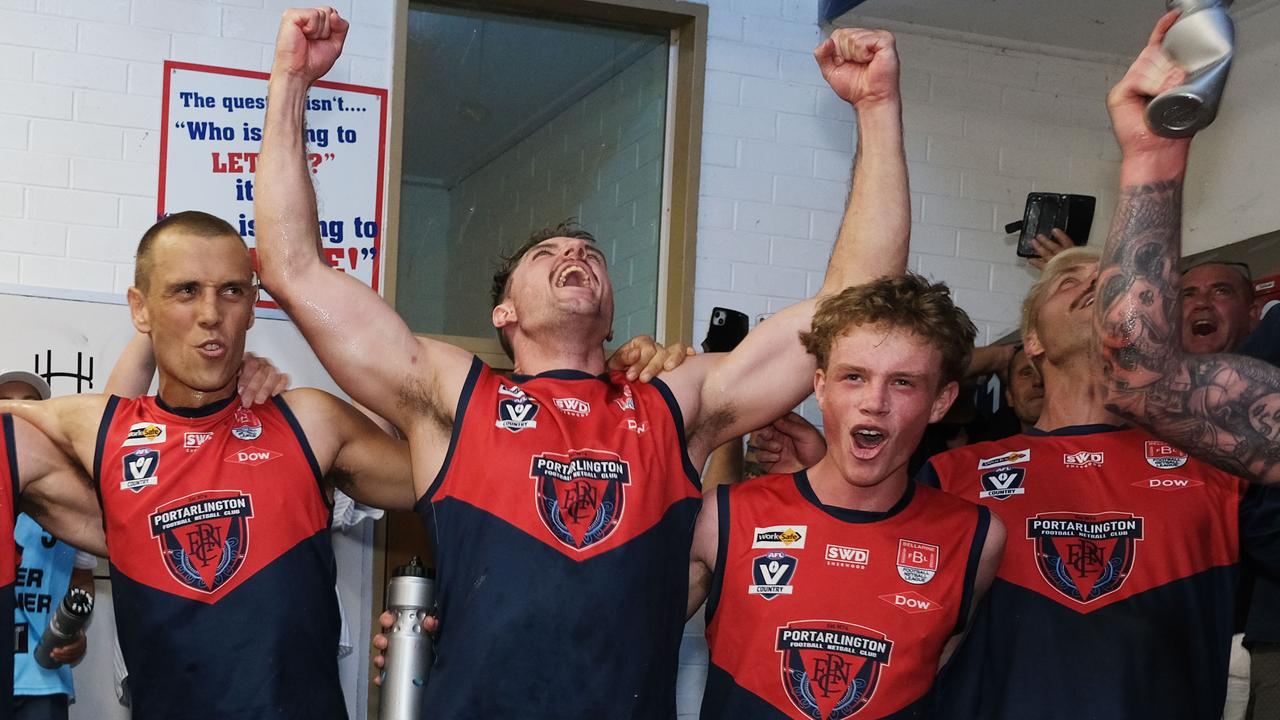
<point x="562" y="520"/>
<point x="818" y="612"/>
<point x="1115" y="597"/>
<point x="222" y="568"/>
<point x="8" y="556"/>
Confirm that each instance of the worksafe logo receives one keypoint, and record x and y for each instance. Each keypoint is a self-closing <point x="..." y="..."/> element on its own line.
<point x="204" y="537"/>
<point x="145" y="433"/>
<point x="780" y="536"/>
<point x="1085" y="556"/>
<point x="830" y="669"/>
<point x="580" y="495"/>
<point x="1010" y="458"/>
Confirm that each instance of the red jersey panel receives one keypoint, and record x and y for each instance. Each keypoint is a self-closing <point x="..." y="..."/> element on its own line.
<point x="196" y="505"/>
<point x="824" y="612"/>
<point x="1095" y="519"/>
<point x="8" y="554"/>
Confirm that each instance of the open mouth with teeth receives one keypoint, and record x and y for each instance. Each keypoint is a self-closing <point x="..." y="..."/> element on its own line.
<point x="1203" y="327"/>
<point x="573" y="276"/>
<point x="867" y="439"/>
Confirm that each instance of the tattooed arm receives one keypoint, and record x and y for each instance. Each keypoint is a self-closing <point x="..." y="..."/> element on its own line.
<point x="1224" y="409"/>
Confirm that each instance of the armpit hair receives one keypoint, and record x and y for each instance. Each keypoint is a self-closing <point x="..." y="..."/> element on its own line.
<point x="709" y="425"/>
<point x="420" y="400"/>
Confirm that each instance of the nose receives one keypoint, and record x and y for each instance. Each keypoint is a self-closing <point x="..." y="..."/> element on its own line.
<point x="874" y="399"/>
<point x="576" y="249"/>
<point x="208" y="309"/>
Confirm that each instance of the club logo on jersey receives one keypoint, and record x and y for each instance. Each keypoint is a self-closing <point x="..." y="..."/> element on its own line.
<point x="580" y="495"/>
<point x="204" y="537"/>
<point x="781" y="536"/>
<point x="1085" y="556"/>
<point x="192" y="441"/>
<point x="1082" y="459"/>
<point x="145" y="433"/>
<point x="1010" y="458"/>
<point x="141" y="469"/>
<point x="1163" y="456"/>
<point x="917" y="561"/>
<point x="573" y="406"/>
<point x="771" y="574"/>
<point x="830" y="669"/>
<point x="252" y="455"/>
<point x="1003" y="483"/>
<point x="1168" y="483"/>
<point x="626" y="403"/>
<point x="516" y="410"/>
<point x="911" y="602"/>
<point x="246" y="425"/>
<point x="848" y="557"/>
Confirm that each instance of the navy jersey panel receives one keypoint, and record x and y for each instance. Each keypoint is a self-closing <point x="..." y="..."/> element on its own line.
<point x="562" y="519"/>
<point x="236" y="659"/>
<point x="733" y="701"/>
<point x="8" y="557"/>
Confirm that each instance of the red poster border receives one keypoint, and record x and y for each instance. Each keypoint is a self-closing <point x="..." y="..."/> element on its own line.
<point x="380" y="93"/>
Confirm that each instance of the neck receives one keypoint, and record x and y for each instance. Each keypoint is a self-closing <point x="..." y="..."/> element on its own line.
<point x="534" y="358"/>
<point x="1073" y="395"/>
<point x="838" y="489"/>
<point x="176" y="395"/>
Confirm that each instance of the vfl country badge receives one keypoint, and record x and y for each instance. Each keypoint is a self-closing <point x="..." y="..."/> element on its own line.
<point x="246" y="425"/>
<point x="204" y="537"/>
<point x="580" y="494"/>
<point x="1163" y="456"/>
<point x="917" y="561"/>
<point x="516" y="410"/>
<point x="830" y="669"/>
<point x="1003" y="483"/>
<point x="1085" y="556"/>
<point x="145" y="433"/>
<point x="141" y="468"/>
<point x="771" y="575"/>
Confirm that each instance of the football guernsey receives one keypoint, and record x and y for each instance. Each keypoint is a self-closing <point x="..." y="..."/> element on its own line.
<point x="821" y="613"/>
<point x="1115" y="598"/>
<point x="222" y="569"/>
<point x="44" y="574"/>
<point x="8" y="556"/>
<point x="562" y="519"/>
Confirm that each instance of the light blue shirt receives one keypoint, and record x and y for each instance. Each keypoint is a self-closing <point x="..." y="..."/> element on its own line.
<point x="43" y="576"/>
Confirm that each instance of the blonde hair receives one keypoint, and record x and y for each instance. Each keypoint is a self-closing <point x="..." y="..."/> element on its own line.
<point x="1059" y="264"/>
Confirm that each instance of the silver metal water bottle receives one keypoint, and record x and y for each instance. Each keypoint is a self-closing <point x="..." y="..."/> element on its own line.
<point x="408" y="656"/>
<point x="67" y="621"/>
<point x="1202" y="42"/>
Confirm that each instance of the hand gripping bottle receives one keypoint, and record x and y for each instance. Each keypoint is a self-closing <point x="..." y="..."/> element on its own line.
<point x="408" y="657"/>
<point x="1202" y="42"/>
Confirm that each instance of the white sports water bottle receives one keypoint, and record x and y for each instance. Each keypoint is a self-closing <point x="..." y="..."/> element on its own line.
<point x="408" y="656"/>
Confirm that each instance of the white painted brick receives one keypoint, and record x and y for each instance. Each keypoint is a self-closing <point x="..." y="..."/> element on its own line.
<point x="123" y="279"/>
<point x="767" y="8"/>
<point x="772" y="219"/>
<point x="987" y="305"/>
<point x="375" y="72"/>
<point x="213" y="50"/>
<point x="803" y="254"/>
<point x="777" y="95"/>
<point x="1003" y="68"/>
<point x="832" y="164"/>
<point x="138" y="213"/>
<point x="769" y="280"/>
<point x="962" y="153"/>
<point x="834" y="107"/>
<point x="16" y="63"/>
<point x="256" y="25"/>
<point x="933" y="240"/>
<point x="988" y="245"/>
<point x="815" y="132"/>
<point x="36" y="100"/>
<point x="915" y="145"/>
<point x="782" y="34"/>
<point x="775" y="158"/>
<point x="372" y="14"/>
<point x="956" y="272"/>
<point x="1038" y="105"/>
<point x="714" y="213"/>
<point x="995" y="188"/>
<point x="113" y="11"/>
<point x="965" y="93"/>
<point x="1015" y="280"/>
<point x="11" y="200"/>
<point x="37" y="31"/>
<point x="65" y="273"/>
<point x="737" y="245"/>
<point x="126" y="178"/>
<point x="914" y="85"/>
<point x="33" y="168"/>
<point x="78" y="139"/>
<point x="122" y="41"/>
<point x="37" y="238"/>
<point x="177" y="16"/>
<point x="134" y="111"/>
<point x="1085" y="172"/>
<point x="1030" y="164"/>
<point x="809" y="193"/>
<point x="800" y="10"/>
<point x="1064" y="76"/>
<point x="933" y="179"/>
<point x="933" y="120"/>
<point x="917" y="200"/>
<point x="725" y="24"/>
<point x="1001" y="129"/>
<point x="741" y="59"/>
<point x="344" y="7"/>
<point x="957" y="212"/>
<point x="825" y="225"/>
<point x="145" y="79"/>
<point x="722" y="87"/>
<point x="142" y="146"/>
<point x="13" y="132"/>
<point x="25" y="5"/>
<point x="750" y="304"/>
<point x="719" y="150"/>
<point x="9" y="264"/>
<point x="73" y="206"/>
<point x="736" y="183"/>
<point x="105" y="244"/>
<point x="742" y="122"/>
<point x="369" y="42"/>
<point x="935" y="56"/>
<point x="82" y="71"/>
<point x="800" y="67"/>
<point x="713" y="274"/>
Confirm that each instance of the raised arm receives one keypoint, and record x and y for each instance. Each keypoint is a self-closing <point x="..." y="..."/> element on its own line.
<point x="55" y="491"/>
<point x="1224" y="409"/>
<point x="361" y="341"/>
<point x="769" y="372"/>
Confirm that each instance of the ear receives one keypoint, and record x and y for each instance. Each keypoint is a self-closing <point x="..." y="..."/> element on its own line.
<point x="504" y="314"/>
<point x="1031" y="343"/>
<point x="819" y="385"/>
<point x="942" y="403"/>
<point x="138" y="311"/>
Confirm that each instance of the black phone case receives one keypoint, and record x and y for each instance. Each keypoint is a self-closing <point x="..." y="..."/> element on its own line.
<point x="1073" y="214"/>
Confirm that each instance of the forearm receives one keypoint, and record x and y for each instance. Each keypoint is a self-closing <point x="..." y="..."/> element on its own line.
<point x="284" y="202"/>
<point x="134" y="369"/>
<point x="876" y="228"/>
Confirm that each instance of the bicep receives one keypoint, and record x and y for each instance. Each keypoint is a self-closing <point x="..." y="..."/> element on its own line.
<point x="702" y="558"/>
<point x="57" y="493"/>
<point x="372" y="466"/>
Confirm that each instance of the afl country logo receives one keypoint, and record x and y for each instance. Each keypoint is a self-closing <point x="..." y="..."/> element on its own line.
<point x="516" y="411"/>
<point x="771" y="575"/>
<point x="1003" y="483"/>
<point x="1085" y="556"/>
<point x="580" y="495"/>
<point x="141" y="469"/>
<point x="830" y="669"/>
<point x="246" y="425"/>
<point x="203" y="537"/>
<point x="917" y="561"/>
<point x="1163" y="456"/>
